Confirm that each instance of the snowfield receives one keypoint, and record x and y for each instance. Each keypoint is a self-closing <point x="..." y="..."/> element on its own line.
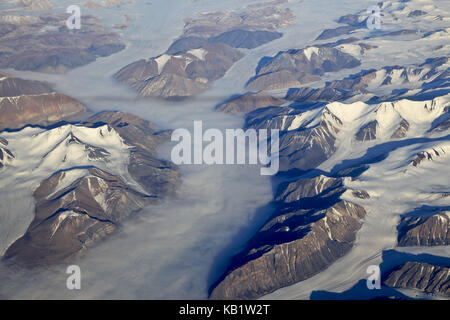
<point x="178" y="249"/>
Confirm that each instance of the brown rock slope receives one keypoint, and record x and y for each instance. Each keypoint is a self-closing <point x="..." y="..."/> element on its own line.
<point x="45" y="44"/>
<point x="6" y="156"/>
<point x="249" y="102"/>
<point x="420" y="276"/>
<point x="25" y="102"/>
<point x="301" y="239"/>
<point x="205" y="51"/>
<point x="78" y="206"/>
<point x="420" y="76"/>
<point x="71" y="219"/>
<point x="302" y="149"/>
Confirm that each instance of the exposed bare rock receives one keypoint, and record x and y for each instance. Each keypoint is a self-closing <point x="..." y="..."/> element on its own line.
<point x="310" y="94"/>
<point x="416" y="76"/>
<point x="336" y="32"/>
<point x="270" y="118"/>
<point x="367" y="132"/>
<point x="212" y="24"/>
<point x="352" y="20"/>
<point x="234" y="38"/>
<point x="91" y="152"/>
<point x="302" y="147"/>
<point x="92" y="5"/>
<point x="106" y="3"/>
<point x="138" y="71"/>
<point x="185" y="44"/>
<point x="217" y="60"/>
<point x="25" y="102"/>
<point x="308" y="188"/>
<point x="420" y="276"/>
<point x="352" y="23"/>
<point x="246" y="39"/>
<point x="81" y="203"/>
<point x="401" y="131"/>
<point x="362" y="194"/>
<point x="182" y="75"/>
<point x="6" y="155"/>
<point x="266" y="3"/>
<point x="249" y="102"/>
<point x="13" y="87"/>
<point x="301" y="239"/>
<point x="295" y="67"/>
<point x="443" y="126"/>
<point x="404" y="32"/>
<point x="134" y="130"/>
<point x="45" y="44"/>
<point x="309" y="132"/>
<point x="343" y="41"/>
<point x="204" y="52"/>
<point x="306" y="149"/>
<point x="279" y="80"/>
<point x="157" y="177"/>
<point x="416" y="13"/>
<point x="335" y="90"/>
<point x="99" y="194"/>
<point x="169" y="86"/>
<point x="443" y="123"/>
<point x="427" y="155"/>
<point x="3" y="141"/>
<point x="12" y="21"/>
<point x="42" y="109"/>
<point x="70" y="219"/>
<point x="425" y="229"/>
<point x="34" y="5"/>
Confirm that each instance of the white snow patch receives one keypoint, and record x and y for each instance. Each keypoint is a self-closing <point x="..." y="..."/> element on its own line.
<point x="161" y="61"/>
<point x="308" y="52"/>
<point x="198" y="53"/>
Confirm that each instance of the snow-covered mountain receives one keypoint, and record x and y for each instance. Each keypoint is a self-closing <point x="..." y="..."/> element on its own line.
<point x="364" y="119"/>
<point x="375" y="138"/>
<point x="342" y="141"/>
<point x="82" y="180"/>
